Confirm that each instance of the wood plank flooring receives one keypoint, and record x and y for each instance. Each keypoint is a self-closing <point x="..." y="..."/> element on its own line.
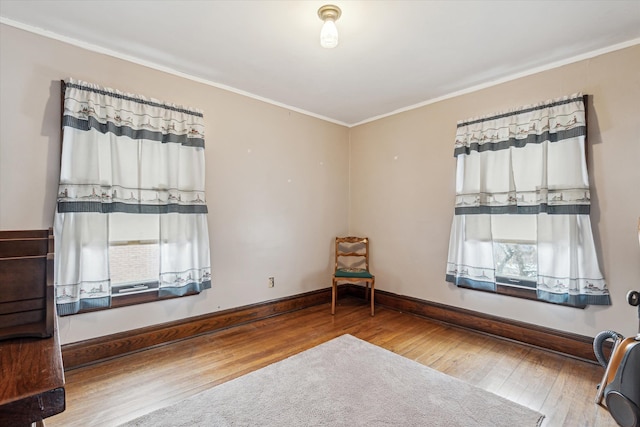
<point x="119" y="390"/>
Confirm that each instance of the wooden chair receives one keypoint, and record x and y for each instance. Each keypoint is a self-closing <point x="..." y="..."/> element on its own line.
<point x="352" y="265"/>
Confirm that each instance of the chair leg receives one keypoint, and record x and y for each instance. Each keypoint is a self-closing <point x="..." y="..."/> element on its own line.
<point x="373" y="286"/>
<point x="366" y="291"/>
<point x="333" y="296"/>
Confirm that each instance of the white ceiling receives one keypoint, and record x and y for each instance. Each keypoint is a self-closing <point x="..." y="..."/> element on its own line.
<point x="393" y="55"/>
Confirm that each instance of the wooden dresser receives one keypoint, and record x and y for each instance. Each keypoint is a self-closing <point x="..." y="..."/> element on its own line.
<point x="32" y="380"/>
<point x="31" y="370"/>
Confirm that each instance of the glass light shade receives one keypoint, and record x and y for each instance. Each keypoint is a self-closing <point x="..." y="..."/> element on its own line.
<point x="329" y="34"/>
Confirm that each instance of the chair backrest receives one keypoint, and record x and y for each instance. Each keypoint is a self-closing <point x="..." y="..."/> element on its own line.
<point x="352" y="252"/>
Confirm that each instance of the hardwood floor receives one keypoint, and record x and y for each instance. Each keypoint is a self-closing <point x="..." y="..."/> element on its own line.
<point x="121" y="389"/>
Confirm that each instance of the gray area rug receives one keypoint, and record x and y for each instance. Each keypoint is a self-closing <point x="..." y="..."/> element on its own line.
<point x="344" y="382"/>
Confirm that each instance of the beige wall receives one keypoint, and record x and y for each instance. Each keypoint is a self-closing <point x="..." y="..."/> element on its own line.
<point x="402" y="190"/>
<point x="276" y="180"/>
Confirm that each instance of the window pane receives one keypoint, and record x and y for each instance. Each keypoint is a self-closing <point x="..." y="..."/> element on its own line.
<point x="517" y="260"/>
<point x="124" y="227"/>
<point x="134" y="263"/>
<point x="514" y="228"/>
<point x="134" y="254"/>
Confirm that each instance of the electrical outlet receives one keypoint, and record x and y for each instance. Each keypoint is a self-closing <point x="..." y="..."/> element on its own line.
<point x="272" y="282"/>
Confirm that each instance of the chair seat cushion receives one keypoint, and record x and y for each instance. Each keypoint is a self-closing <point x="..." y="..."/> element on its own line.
<point x="353" y="272"/>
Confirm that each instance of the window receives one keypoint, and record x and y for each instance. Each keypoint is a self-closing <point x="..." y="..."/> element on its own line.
<point x="134" y="256"/>
<point x="515" y="254"/>
<point x="516" y="265"/>
<point x="133" y="266"/>
<point x="521" y="225"/>
<point x="130" y="222"/>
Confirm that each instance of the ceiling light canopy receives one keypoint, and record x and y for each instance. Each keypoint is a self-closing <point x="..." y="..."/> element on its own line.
<point x="329" y="33"/>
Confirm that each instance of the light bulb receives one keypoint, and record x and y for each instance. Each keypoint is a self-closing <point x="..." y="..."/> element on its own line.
<point x="329" y="34"/>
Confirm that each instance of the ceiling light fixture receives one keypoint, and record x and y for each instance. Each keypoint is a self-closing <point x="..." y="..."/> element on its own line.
<point x="329" y="33"/>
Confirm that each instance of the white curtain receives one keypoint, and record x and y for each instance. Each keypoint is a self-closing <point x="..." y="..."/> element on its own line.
<point x="131" y="155"/>
<point x="522" y="193"/>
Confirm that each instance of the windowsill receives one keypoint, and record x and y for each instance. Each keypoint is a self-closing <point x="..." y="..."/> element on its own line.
<point x="529" y="294"/>
<point x="132" y="299"/>
<point x="135" y="298"/>
<point x="142" y="298"/>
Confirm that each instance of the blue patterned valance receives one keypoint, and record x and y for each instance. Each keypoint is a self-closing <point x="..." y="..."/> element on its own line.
<point x="87" y="106"/>
<point x="548" y="122"/>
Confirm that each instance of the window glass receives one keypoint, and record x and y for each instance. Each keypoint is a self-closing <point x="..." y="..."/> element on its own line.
<point x="133" y="253"/>
<point x="516" y="260"/>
